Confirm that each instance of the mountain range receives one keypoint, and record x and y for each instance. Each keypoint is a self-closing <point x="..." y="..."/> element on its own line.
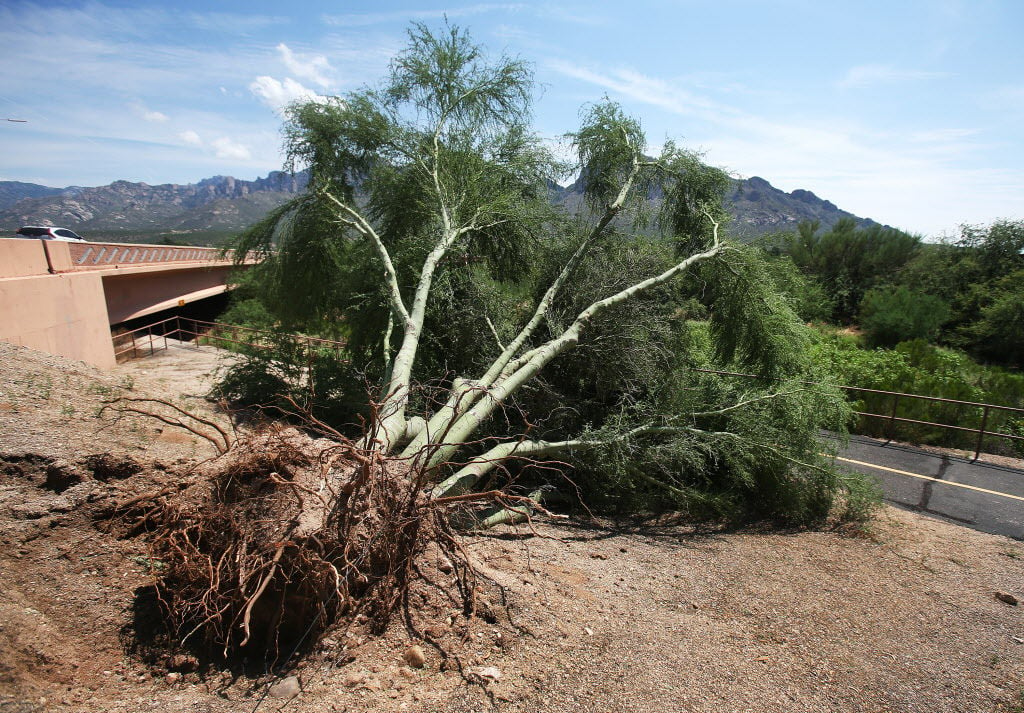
<point x="223" y="204"/>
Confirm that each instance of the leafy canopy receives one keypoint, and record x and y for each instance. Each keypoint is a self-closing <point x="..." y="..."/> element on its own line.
<point x="427" y="230"/>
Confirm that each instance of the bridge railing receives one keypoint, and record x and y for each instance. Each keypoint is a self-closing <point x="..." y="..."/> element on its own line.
<point x="93" y="256"/>
<point x="151" y="338"/>
<point x="886" y="424"/>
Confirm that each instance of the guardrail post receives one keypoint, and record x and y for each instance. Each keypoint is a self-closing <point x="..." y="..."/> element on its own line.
<point x="981" y="432"/>
<point x="892" y="416"/>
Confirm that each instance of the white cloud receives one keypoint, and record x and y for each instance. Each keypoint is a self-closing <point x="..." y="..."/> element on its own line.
<point x="276" y="94"/>
<point x="867" y="75"/>
<point x="228" y="149"/>
<point x="191" y="138"/>
<point x="312" y="68"/>
<point x="155" y="117"/>
<point x="941" y="135"/>
<point x="922" y="180"/>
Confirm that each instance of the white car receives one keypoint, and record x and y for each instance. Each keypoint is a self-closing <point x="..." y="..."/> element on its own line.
<point x="45" y="232"/>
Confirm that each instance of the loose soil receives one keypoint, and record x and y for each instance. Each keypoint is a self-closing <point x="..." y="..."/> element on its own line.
<point x="590" y="615"/>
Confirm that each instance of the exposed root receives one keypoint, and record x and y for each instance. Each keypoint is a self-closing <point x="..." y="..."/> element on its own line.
<point x="283" y="537"/>
<point x="177" y="417"/>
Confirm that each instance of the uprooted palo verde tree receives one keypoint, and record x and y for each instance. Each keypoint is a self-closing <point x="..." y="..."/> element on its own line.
<point x="435" y="177"/>
<point x="503" y="333"/>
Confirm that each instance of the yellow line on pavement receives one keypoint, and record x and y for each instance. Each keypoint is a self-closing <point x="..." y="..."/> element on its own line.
<point x="928" y="477"/>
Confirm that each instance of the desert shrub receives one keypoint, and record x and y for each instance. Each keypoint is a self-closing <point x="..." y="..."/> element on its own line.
<point x="916" y="367"/>
<point x="889" y="316"/>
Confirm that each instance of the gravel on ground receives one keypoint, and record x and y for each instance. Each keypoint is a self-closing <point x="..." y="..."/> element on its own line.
<point x="590" y="615"/>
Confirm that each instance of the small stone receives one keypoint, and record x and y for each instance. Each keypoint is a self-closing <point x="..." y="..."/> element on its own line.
<point x="351" y="680"/>
<point x="1007" y="598"/>
<point x="598" y="556"/>
<point x="408" y="673"/>
<point x="445" y="566"/>
<point x="590" y="632"/>
<point x="415" y="657"/>
<point x="172" y="678"/>
<point x="487" y="674"/>
<point x="285" y="688"/>
<point x="183" y="662"/>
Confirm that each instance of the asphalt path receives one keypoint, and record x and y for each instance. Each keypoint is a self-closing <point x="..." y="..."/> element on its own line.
<point x="985" y="497"/>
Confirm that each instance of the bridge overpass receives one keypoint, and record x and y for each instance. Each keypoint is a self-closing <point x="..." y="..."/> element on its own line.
<point x="63" y="298"/>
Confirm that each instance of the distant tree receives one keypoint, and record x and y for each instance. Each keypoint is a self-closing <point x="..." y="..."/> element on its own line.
<point x="172" y="240"/>
<point x="805" y="293"/>
<point x="999" y="246"/>
<point x="998" y="334"/>
<point x="978" y="275"/>
<point x="848" y="261"/>
<point x="889" y="315"/>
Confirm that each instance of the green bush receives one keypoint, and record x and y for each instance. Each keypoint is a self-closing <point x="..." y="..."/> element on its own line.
<point x="916" y="367"/>
<point x="999" y="333"/>
<point x="890" y="315"/>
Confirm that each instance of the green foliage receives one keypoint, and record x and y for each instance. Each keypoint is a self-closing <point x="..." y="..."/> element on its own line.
<point x="999" y="332"/>
<point x="284" y="376"/>
<point x="805" y="295"/>
<point x="916" y="367"/>
<point x="709" y="459"/>
<point x="891" y="315"/>
<point x="747" y="450"/>
<point x="848" y="261"/>
<point x="979" y="276"/>
<point x="445" y="142"/>
<point x="607" y="144"/>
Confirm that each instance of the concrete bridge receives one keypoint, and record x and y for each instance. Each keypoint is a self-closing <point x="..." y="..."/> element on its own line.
<point x="63" y="298"/>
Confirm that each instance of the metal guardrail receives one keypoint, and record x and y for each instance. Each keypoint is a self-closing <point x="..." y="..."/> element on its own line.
<point x="151" y="338"/>
<point x="892" y="419"/>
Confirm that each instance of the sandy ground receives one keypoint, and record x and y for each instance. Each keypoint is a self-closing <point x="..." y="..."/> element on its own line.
<point x="591" y="616"/>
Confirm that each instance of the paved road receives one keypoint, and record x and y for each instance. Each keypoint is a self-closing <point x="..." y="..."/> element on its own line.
<point x="935" y="490"/>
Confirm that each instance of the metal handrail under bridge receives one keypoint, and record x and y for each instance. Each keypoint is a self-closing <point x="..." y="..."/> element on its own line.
<point x="151" y="338"/>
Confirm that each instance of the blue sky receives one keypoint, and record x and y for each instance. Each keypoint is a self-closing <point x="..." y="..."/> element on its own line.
<point x="903" y="111"/>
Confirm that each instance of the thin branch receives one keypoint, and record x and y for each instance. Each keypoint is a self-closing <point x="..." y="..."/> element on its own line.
<point x="543" y="354"/>
<point x="366" y="230"/>
<point x="541" y="311"/>
<point x="494" y="332"/>
<point x="222" y="444"/>
<point x="741" y="404"/>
